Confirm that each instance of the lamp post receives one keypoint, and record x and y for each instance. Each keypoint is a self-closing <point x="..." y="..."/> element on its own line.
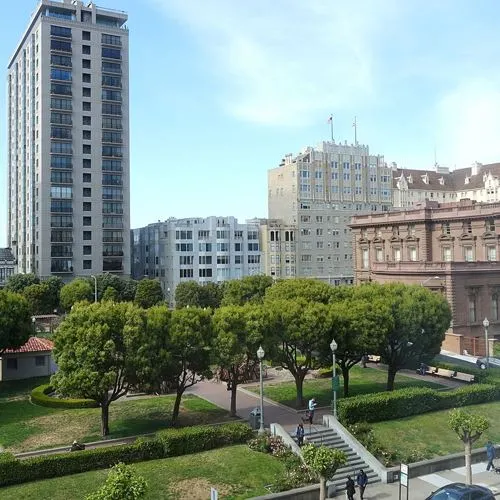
<point x="95" y="288"/>
<point x="260" y="355"/>
<point x="33" y="322"/>
<point x="422" y="283"/>
<point x="486" y="325"/>
<point x="168" y="296"/>
<point x="333" y="347"/>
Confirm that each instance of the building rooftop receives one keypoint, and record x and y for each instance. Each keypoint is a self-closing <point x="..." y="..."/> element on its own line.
<point x="34" y="344"/>
<point x="6" y="255"/>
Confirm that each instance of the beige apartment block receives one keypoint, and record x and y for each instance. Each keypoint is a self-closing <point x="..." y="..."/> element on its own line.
<point x="451" y="248"/>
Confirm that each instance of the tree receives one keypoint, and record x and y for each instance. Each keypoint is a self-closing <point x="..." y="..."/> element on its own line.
<point x="98" y="349"/>
<point x="55" y="285"/>
<point x="238" y="333"/>
<point x="300" y="330"/>
<point x="469" y="429"/>
<point x="183" y="340"/>
<point x="213" y="293"/>
<point x="193" y="294"/>
<point x="324" y="462"/>
<point x="39" y="298"/>
<point x="77" y="290"/>
<point x="129" y="287"/>
<point x="307" y="289"/>
<point x="121" y="484"/>
<point x="250" y="289"/>
<point x="419" y="320"/>
<point x="358" y="327"/>
<point x="15" y="321"/>
<point x="110" y="295"/>
<point x="18" y="282"/>
<point x="148" y="293"/>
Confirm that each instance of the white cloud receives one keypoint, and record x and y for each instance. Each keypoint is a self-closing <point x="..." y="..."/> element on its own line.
<point x="468" y="120"/>
<point x="283" y="62"/>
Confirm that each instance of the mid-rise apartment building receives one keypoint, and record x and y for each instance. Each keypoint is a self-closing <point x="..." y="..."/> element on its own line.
<point x="210" y="249"/>
<point x="68" y="142"/>
<point x="8" y="265"/>
<point x="312" y="197"/>
<point x="451" y="248"/>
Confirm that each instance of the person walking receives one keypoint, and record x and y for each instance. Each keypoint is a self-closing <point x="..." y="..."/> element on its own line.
<point x="300" y="434"/>
<point x="350" y="488"/>
<point x="361" y="481"/>
<point x="311" y="407"/>
<point x="490" y="454"/>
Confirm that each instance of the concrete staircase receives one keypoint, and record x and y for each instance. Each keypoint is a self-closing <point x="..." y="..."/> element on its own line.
<point x="321" y="435"/>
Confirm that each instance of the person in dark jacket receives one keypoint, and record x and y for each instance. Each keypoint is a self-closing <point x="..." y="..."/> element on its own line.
<point x="350" y="488"/>
<point x="361" y="481"/>
<point x="490" y="454"/>
<point x="300" y="434"/>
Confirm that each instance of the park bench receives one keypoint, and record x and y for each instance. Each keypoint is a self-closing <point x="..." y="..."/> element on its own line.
<point x="451" y="374"/>
<point x="464" y="377"/>
<point x="443" y="372"/>
<point x="372" y="358"/>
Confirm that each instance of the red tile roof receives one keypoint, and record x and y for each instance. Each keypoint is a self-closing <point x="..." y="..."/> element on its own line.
<point x="34" y="344"/>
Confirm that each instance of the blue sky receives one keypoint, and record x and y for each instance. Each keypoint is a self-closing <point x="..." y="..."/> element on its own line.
<point x="221" y="90"/>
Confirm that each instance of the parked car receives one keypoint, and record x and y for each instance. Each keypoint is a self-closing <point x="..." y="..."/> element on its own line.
<point x="461" y="491"/>
<point x="481" y="362"/>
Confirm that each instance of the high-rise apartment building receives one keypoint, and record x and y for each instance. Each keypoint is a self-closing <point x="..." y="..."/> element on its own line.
<point x="210" y="249"/>
<point x="68" y="142"/>
<point x="312" y="197"/>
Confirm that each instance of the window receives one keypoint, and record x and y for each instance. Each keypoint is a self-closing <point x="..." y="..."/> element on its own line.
<point x="183" y="247"/>
<point x="223" y="247"/>
<point x="111" y="81"/>
<point x="87" y="250"/>
<point x="379" y="254"/>
<point x="87" y="264"/>
<point x="412" y="254"/>
<point x="396" y="254"/>
<point x="87" y="163"/>
<point x="86" y="49"/>
<point x="39" y="360"/>
<point x="11" y="363"/>
<point x="111" y="95"/>
<point x="186" y="260"/>
<point x="113" y="193"/>
<point x="60" y="46"/>
<point x="491" y="253"/>
<point x="472" y="308"/>
<point x="61" y="192"/>
<point x="86" y="92"/>
<point x="113" y="165"/>
<point x="445" y="227"/>
<point x="494" y="307"/>
<point x="205" y="247"/>
<point x="61" y="177"/>
<point x="60" y="89"/>
<point x="87" y="192"/>
<point x="111" y="67"/>
<point x="222" y="235"/>
<point x="203" y="234"/>
<point x="87" y="235"/>
<point x="87" y="149"/>
<point x="205" y="273"/>
<point x="468" y="253"/>
<point x="86" y="135"/>
<point x="111" y="109"/>
<point x="111" y="53"/>
<point x="61" y="221"/>
<point x="205" y="259"/>
<point x="223" y="259"/>
<point x="112" y="179"/>
<point x="113" y="123"/>
<point x="86" y="78"/>
<point x="185" y="273"/>
<point x="64" y="104"/>
<point x="61" y="206"/>
<point x="87" y="221"/>
<point x="447" y="254"/>
<point x="85" y="35"/>
<point x="238" y="259"/>
<point x="237" y="247"/>
<point x="490" y="225"/>
<point x="108" y="136"/>
<point x="60" y="133"/>
<point x="366" y="258"/>
<point x="111" y="40"/>
<point x="86" y="120"/>
<point x="60" y="31"/>
<point x="60" y="74"/>
<point x="86" y="63"/>
<point x="86" y="106"/>
<point x="254" y="259"/>
<point x="113" y="151"/>
<point x="253" y="247"/>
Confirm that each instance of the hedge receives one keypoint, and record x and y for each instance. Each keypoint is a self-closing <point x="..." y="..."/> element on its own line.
<point x="406" y="402"/>
<point x="40" y="396"/>
<point x="168" y="443"/>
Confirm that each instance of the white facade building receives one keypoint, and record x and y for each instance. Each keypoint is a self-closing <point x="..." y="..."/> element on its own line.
<point x="201" y="249"/>
<point x="68" y="142"/>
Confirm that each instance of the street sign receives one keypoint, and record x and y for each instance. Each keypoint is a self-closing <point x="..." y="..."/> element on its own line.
<point x="403" y="480"/>
<point x="335" y="383"/>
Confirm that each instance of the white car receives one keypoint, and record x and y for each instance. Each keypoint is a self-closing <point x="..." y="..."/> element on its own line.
<point x="493" y="362"/>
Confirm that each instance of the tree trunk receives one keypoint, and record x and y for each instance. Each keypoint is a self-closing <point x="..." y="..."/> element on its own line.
<point x="299" y="385"/>
<point x="105" y="419"/>
<point x="345" y="376"/>
<point x="322" y="488"/>
<point x="391" y="375"/>
<point x="234" y="388"/>
<point x="468" y="465"/>
<point x="177" y="405"/>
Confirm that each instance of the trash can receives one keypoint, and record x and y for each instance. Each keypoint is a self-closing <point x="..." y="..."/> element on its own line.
<point x="255" y="418"/>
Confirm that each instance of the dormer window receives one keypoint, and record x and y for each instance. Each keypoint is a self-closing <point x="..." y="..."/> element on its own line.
<point x="425" y="179"/>
<point x="467" y="180"/>
<point x="410" y="179"/>
<point x="441" y="181"/>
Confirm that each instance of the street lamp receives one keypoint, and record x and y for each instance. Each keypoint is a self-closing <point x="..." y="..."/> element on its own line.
<point x="486" y="325"/>
<point x="422" y="283"/>
<point x="33" y="322"/>
<point x="333" y="347"/>
<point x="260" y="355"/>
<point x="168" y="294"/>
<point x="95" y="288"/>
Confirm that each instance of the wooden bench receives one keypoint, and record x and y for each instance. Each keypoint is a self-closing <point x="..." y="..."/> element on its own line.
<point x="464" y="377"/>
<point x="443" y="372"/>
<point x="372" y="358"/>
<point x="429" y="370"/>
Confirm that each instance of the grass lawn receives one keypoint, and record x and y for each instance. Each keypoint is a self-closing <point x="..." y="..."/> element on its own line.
<point x="236" y="472"/>
<point x="361" y="381"/>
<point x="24" y="426"/>
<point x="430" y="434"/>
<point x="20" y="388"/>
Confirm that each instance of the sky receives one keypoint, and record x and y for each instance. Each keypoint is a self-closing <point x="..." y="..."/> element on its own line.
<point x="221" y="90"/>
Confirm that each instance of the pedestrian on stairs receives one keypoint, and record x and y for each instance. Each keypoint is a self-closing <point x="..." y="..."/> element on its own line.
<point x="300" y="434"/>
<point x="350" y="488"/>
<point x="310" y="408"/>
<point x="362" y="481"/>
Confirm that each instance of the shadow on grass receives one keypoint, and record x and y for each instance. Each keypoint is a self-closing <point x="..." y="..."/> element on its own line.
<point x="20" y="388"/>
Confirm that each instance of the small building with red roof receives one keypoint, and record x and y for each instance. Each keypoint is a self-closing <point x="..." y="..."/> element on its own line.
<point x="33" y="359"/>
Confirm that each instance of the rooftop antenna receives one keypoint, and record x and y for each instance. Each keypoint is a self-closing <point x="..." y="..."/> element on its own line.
<point x="435" y="158"/>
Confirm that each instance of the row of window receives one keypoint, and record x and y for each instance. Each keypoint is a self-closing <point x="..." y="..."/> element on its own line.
<point x="67" y="148"/>
<point x="66" y="265"/>
<point x="181" y="234"/>
<point x="220" y="247"/>
<point x="221" y="260"/>
<point x="66" y="221"/>
<point x="66" y="162"/>
<point x="207" y="260"/>
<point x="12" y="362"/>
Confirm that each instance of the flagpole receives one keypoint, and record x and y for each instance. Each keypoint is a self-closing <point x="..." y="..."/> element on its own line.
<point x="355" y="125"/>
<point x="331" y="126"/>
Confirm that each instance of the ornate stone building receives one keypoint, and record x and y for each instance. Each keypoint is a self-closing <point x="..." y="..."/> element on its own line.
<point x="451" y="248"/>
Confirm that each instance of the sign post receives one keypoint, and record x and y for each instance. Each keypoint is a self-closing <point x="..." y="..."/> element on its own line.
<point x="403" y="480"/>
<point x="214" y="494"/>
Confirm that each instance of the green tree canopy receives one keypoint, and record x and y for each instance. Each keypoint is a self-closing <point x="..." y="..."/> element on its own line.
<point x="469" y="428"/>
<point x="309" y="290"/>
<point x="18" y="282"/>
<point x="75" y="291"/>
<point x="122" y="483"/>
<point x="148" y="293"/>
<point x="110" y="295"/>
<point x="250" y="289"/>
<point x="39" y="297"/>
<point x="55" y="285"/>
<point x="15" y="321"/>
<point x="193" y="294"/>
<point x="324" y="462"/>
<point x="98" y="349"/>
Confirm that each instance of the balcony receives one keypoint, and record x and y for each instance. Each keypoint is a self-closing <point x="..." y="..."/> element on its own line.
<point x="112" y="253"/>
<point x="112" y="265"/>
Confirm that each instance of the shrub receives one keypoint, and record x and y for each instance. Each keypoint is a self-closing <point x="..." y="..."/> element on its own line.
<point x="260" y="443"/>
<point x="406" y="402"/>
<point x="168" y="444"/>
<point x="40" y="396"/>
<point x="324" y="373"/>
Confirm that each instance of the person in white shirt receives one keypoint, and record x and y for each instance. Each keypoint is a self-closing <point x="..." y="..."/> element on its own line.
<point x="311" y="407"/>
